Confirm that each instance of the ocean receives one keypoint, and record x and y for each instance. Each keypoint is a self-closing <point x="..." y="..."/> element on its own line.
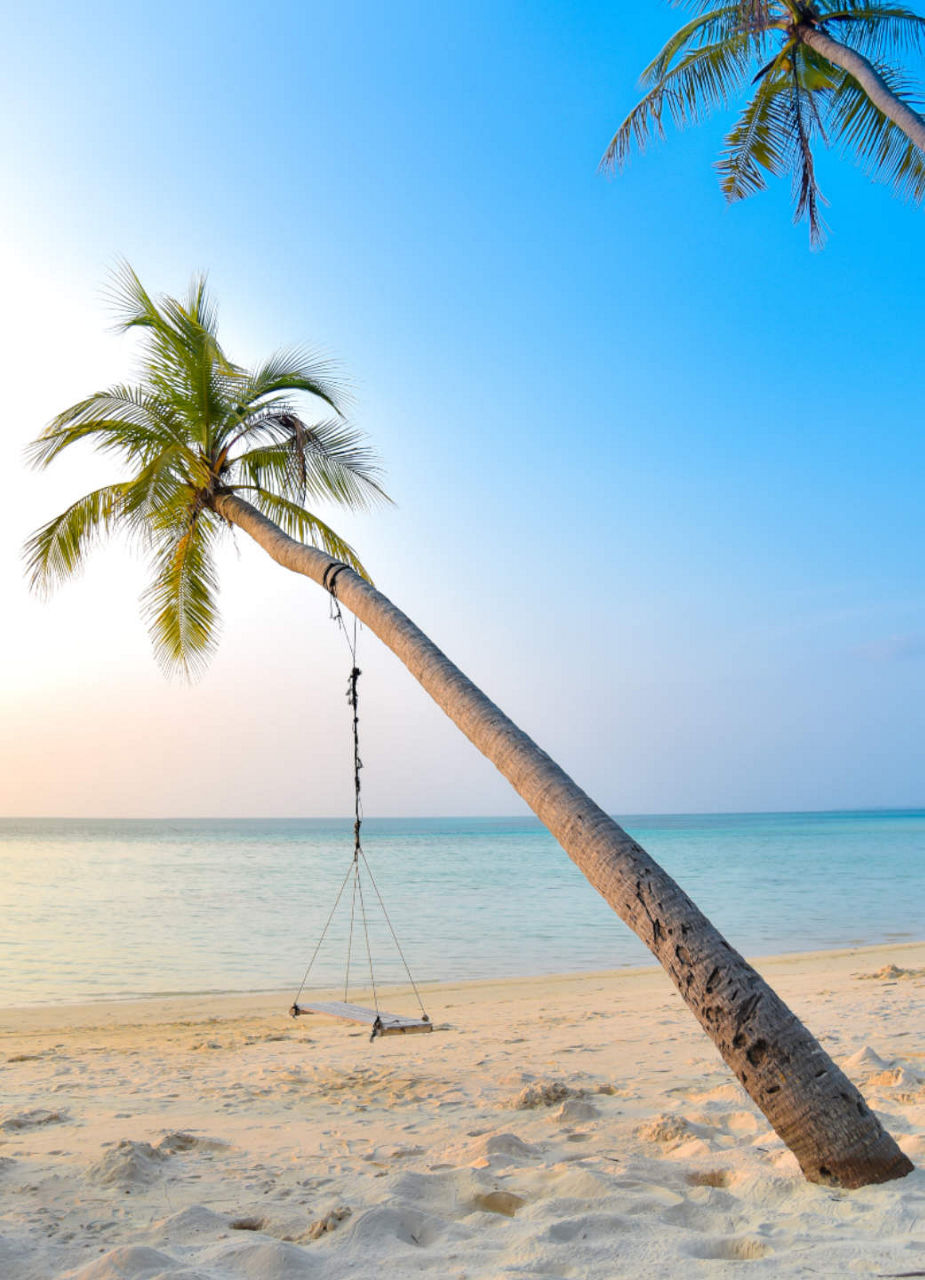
<point x="121" y="909"/>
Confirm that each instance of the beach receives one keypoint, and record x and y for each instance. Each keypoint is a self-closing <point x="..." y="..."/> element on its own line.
<point x="557" y="1126"/>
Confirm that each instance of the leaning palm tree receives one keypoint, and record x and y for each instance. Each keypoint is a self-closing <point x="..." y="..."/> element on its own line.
<point x="210" y="445"/>
<point x="821" y="71"/>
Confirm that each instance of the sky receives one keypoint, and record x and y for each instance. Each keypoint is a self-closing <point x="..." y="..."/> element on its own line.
<point x="657" y="466"/>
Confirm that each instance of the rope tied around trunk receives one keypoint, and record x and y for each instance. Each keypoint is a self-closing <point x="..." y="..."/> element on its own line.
<point x="358" y="861"/>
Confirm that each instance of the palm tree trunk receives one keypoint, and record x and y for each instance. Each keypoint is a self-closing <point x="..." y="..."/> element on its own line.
<point x="811" y="1104"/>
<point x="870" y="80"/>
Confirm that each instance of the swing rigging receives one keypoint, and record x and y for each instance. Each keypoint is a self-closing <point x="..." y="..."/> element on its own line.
<point x="358" y="870"/>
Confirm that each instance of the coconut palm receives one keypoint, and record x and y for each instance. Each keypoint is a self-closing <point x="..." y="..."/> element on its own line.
<point x="198" y="434"/>
<point x="199" y="427"/>
<point x="820" y="71"/>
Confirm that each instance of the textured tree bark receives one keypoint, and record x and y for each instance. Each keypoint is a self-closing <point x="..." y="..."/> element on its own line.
<point x="811" y="1104"/>
<point x="870" y="80"/>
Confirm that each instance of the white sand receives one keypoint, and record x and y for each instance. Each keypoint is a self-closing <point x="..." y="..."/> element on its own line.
<point x="196" y="1139"/>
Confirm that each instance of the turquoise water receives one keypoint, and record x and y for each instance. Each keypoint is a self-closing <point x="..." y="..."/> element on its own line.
<point x="101" y="909"/>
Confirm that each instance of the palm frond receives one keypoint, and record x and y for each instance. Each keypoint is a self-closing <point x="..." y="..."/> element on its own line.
<point x="180" y="605"/>
<point x="749" y="10"/>
<point x="160" y="496"/>
<point x="327" y="461"/>
<point x="266" y="422"/>
<point x="806" y="191"/>
<point x="774" y="135"/>
<point x="58" y="549"/>
<point x="713" y="26"/>
<point x="296" y="369"/>
<point x="877" y="30"/>
<point x="273" y="467"/>
<point x="183" y="359"/>
<point x="128" y="297"/>
<point x="869" y="137"/>
<point x="126" y="420"/>
<point x="704" y="79"/>
<point x="759" y="143"/>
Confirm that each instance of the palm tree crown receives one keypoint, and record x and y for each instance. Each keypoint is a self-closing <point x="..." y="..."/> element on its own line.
<point x="197" y="427"/>
<point x="824" y="72"/>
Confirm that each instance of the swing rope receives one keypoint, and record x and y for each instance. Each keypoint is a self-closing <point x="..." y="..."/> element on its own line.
<point x="359" y="857"/>
<point x="324" y="934"/>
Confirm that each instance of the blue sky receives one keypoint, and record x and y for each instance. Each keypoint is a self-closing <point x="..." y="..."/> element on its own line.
<point x="657" y="465"/>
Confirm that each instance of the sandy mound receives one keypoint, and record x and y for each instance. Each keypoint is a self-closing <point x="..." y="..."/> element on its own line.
<point x="491" y="1149"/>
<point x="667" y="1130"/>
<point x="130" y="1164"/>
<point x="576" y="1111"/>
<point x="891" y="973"/>
<point x="191" y="1226"/>
<point x="542" y="1093"/>
<point x="266" y="1260"/>
<point x="864" y="1061"/>
<point x="131" y="1262"/>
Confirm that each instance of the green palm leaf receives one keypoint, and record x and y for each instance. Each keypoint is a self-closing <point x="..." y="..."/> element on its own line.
<point x="153" y="496"/>
<point x="759" y="143"/>
<point x="196" y="428"/>
<point x="126" y="420"/>
<point x="805" y="122"/>
<point x="863" y="132"/>
<point x="877" y="31"/>
<point x="709" y="28"/>
<point x="57" y="550"/>
<point x="328" y="459"/>
<point x="180" y="605"/>
<point x="295" y="369"/>
<point x="702" y="80"/>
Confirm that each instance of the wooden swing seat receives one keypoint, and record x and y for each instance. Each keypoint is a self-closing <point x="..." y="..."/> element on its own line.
<point x="383" y="1024"/>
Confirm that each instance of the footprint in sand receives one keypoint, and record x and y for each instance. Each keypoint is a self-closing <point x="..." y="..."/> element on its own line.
<point x="588" y="1226"/>
<point x="181" y="1140"/>
<point x="730" y="1249"/>
<point x="503" y="1202"/>
<point x="375" y="1228"/>
<point x="709" y="1178"/>
<point x="33" y="1120"/>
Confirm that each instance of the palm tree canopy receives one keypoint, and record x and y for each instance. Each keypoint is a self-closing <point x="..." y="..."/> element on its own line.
<point x="197" y="426"/>
<point x="801" y="96"/>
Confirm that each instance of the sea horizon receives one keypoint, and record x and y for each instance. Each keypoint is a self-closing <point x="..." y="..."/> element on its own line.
<point x="461" y="817"/>
<point x="124" y="908"/>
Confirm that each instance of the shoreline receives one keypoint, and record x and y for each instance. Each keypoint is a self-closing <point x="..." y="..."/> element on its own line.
<point x="212" y="1004"/>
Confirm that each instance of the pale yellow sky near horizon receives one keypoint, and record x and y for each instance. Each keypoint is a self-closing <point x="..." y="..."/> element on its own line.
<point x="91" y="727"/>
